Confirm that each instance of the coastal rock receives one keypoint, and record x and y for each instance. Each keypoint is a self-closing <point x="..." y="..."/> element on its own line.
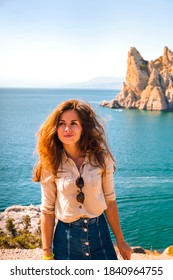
<point x="148" y="84"/>
<point x="168" y="251"/>
<point x="17" y="213"/>
<point x="139" y="250"/>
<point x="111" y="104"/>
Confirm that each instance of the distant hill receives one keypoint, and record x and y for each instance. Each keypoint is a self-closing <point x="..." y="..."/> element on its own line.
<point x="98" y="83"/>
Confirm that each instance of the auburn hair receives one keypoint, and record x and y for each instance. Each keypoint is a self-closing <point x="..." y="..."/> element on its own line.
<point x="50" y="148"/>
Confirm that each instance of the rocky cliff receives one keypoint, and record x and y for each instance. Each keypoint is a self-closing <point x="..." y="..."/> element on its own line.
<point x="17" y="213"/>
<point x="148" y="84"/>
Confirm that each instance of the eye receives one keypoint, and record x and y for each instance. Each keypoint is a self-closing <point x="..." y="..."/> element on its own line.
<point x="61" y="123"/>
<point x="73" y="123"/>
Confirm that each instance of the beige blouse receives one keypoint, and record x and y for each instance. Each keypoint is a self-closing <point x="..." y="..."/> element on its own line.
<point x="59" y="194"/>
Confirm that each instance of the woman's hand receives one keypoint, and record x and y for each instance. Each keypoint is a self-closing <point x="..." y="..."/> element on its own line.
<point x="125" y="250"/>
<point x="113" y="220"/>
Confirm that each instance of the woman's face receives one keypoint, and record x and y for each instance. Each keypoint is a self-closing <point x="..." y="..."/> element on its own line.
<point x="69" y="128"/>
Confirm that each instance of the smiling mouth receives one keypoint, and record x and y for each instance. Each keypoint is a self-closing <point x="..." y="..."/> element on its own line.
<point x="68" y="136"/>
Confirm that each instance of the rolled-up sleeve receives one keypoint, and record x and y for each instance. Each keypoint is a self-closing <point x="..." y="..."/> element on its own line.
<point x="108" y="181"/>
<point x="48" y="193"/>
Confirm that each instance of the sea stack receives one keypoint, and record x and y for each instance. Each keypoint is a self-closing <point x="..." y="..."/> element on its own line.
<point x="148" y="84"/>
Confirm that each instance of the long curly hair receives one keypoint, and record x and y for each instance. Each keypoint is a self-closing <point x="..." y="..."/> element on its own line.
<point x="50" y="148"/>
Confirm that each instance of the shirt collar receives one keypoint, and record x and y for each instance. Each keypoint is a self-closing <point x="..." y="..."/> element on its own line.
<point x="65" y="157"/>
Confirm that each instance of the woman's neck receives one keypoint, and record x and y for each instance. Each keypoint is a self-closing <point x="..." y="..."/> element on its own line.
<point x="73" y="152"/>
<point x="76" y="155"/>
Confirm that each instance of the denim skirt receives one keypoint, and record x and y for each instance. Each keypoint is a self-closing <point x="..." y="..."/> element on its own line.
<point x="84" y="239"/>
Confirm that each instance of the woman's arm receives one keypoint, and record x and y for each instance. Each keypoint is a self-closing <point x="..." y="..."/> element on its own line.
<point x="47" y="228"/>
<point x="113" y="219"/>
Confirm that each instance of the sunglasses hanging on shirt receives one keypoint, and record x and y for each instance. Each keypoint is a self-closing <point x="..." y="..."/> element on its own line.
<point x="80" y="184"/>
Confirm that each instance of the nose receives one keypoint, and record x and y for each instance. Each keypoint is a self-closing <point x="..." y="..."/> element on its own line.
<point x="67" y="128"/>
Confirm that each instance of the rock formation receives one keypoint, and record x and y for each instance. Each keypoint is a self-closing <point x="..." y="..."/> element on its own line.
<point x="148" y="84"/>
<point x="17" y="213"/>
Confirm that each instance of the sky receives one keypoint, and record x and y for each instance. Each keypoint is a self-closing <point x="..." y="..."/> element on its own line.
<point x="45" y="43"/>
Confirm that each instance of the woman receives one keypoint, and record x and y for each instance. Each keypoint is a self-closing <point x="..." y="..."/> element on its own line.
<point x="75" y="169"/>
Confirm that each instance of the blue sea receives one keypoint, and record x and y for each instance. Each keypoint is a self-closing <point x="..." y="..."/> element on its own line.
<point x="141" y="141"/>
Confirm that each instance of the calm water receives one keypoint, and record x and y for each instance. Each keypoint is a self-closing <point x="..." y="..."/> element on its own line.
<point x="141" y="142"/>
